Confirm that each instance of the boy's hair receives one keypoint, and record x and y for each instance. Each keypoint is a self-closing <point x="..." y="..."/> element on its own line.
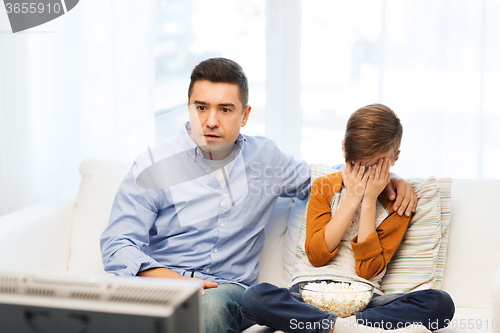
<point x="371" y="130"/>
<point x="221" y="70"/>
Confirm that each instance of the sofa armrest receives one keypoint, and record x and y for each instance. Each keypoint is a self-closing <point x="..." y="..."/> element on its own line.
<point x="37" y="237"/>
<point x="495" y="301"/>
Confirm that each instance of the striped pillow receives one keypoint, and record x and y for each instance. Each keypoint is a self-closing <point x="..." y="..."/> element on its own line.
<point x="445" y="186"/>
<point x="415" y="264"/>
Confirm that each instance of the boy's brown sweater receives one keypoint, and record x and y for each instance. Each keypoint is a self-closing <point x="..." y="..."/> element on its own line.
<point x="371" y="255"/>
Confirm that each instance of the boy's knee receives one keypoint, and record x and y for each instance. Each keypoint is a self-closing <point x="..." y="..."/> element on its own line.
<point x="251" y="298"/>
<point x="443" y="307"/>
<point x="447" y="304"/>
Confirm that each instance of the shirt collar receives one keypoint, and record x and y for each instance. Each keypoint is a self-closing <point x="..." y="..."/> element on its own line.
<point x="193" y="148"/>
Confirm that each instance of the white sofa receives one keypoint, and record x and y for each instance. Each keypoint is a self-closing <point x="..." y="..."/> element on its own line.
<point x="62" y="234"/>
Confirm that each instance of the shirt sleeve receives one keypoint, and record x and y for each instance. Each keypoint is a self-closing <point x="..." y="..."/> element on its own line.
<point x="374" y="253"/>
<point x="319" y="213"/>
<point x="132" y="216"/>
<point x="295" y="175"/>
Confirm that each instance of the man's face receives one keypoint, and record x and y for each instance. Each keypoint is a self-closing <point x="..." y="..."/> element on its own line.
<point x="216" y="116"/>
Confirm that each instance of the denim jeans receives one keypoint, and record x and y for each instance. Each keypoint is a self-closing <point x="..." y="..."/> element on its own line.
<point x="221" y="309"/>
<point x="283" y="309"/>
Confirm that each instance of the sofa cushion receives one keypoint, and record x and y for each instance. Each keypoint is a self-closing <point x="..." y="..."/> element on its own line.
<point x="98" y="186"/>
<point x="296" y="233"/>
<point x="271" y="259"/>
<point x="445" y="188"/>
<point x="292" y="235"/>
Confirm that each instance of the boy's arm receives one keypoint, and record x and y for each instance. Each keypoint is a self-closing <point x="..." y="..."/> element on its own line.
<point x="374" y="253"/>
<point x="319" y="214"/>
<point x="324" y="232"/>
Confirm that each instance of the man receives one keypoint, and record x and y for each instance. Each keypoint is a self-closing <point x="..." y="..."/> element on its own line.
<point x="195" y="207"/>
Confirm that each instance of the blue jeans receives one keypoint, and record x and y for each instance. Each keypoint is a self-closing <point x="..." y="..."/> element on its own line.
<point x="221" y="309"/>
<point x="283" y="309"/>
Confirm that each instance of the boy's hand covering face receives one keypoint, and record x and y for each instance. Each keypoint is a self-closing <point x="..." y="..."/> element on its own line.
<point x="378" y="179"/>
<point x="355" y="179"/>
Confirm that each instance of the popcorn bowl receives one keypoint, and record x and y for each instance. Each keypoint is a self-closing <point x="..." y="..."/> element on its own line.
<point x="341" y="298"/>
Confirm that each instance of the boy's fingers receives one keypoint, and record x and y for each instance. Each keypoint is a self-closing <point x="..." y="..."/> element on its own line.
<point x="386" y="166"/>
<point x="348" y="167"/>
<point x="367" y="174"/>
<point x="361" y="171"/>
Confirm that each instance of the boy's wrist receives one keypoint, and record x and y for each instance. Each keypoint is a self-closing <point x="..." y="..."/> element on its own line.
<point x="353" y="201"/>
<point x="369" y="199"/>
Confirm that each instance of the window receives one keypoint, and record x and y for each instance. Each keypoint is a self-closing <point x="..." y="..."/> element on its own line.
<point x="432" y="62"/>
<point x="189" y="31"/>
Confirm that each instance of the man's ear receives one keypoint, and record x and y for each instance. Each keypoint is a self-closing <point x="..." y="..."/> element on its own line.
<point x="245" y="115"/>
<point x="343" y="152"/>
<point x="395" y="158"/>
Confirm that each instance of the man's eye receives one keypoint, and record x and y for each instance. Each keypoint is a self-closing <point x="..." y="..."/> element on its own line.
<point x="201" y="107"/>
<point x="226" y="110"/>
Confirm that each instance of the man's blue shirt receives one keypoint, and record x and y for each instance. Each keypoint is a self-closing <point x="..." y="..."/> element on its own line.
<point x="177" y="210"/>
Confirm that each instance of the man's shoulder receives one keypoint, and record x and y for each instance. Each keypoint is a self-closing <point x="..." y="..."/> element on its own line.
<point x="260" y="146"/>
<point x="260" y="141"/>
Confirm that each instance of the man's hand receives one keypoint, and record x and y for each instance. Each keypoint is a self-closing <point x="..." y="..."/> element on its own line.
<point x="406" y="199"/>
<point x="205" y="284"/>
<point x="163" y="272"/>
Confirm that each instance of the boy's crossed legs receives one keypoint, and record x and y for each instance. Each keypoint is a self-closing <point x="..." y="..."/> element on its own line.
<point x="282" y="309"/>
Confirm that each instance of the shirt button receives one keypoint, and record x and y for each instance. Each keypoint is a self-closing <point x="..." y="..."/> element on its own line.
<point x="207" y="269"/>
<point x="215" y="250"/>
<point x="222" y="225"/>
<point x="208" y="170"/>
<point x="223" y="195"/>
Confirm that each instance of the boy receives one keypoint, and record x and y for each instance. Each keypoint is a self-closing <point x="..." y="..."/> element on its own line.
<point x="352" y="233"/>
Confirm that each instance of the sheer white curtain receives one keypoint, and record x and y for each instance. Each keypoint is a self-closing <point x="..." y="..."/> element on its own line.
<point x="71" y="89"/>
<point x="435" y="62"/>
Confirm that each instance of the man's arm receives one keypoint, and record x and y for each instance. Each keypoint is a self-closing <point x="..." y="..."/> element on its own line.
<point x="132" y="216"/>
<point x="163" y="272"/>
<point x="294" y="175"/>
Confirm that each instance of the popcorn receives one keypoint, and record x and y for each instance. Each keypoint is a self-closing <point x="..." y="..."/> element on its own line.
<point x="341" y="298"/>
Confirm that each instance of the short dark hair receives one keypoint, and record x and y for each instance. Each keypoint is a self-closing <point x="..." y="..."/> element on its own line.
<point x="371" y="130"/>
<point x="221" y="70"/>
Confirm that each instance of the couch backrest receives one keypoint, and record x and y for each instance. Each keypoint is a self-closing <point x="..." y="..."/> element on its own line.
<point x="474" y="243"/>
<point x="473" y="252"/>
